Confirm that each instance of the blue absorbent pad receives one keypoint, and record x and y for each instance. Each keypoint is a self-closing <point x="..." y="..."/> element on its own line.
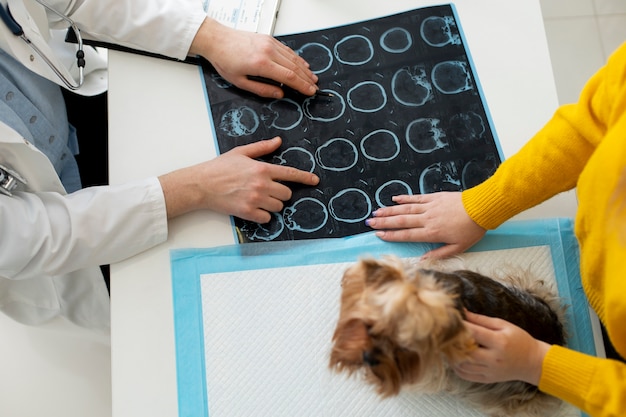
<point x="254" y="322"/>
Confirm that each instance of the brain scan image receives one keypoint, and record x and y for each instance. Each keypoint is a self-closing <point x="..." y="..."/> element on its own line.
<point x="396" y="40"/>
<point x="319" y="56"/>
<point x="405" y="114"/>
<point x="476" y="170"/>
<point x="388" y="190"/>
<point x="451" y="77"/>
<point x="306" y="215"/>
<point x="241" y="121"/>
<point x="411" y="87"/>
<point x="296" y="157"/>
<point x="467" y="126"/>
<point x="354" y="50"/>
<point x="282" y="114"/>
<point x="337" y="154"/>
<point x="324" y="109"/>
<point x="367" y="97"/>
<point x="441" y="176"/>
<point x="439" y="31"/>
<point x="255" y="232"/>
<point x="351" y="205"/>
<point x="424" y="135"/>
<point x="380" y="145"/>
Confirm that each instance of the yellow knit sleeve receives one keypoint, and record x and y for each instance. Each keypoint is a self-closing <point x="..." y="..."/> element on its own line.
<point x="548" y="164"/>
<point x="596" y="386"/>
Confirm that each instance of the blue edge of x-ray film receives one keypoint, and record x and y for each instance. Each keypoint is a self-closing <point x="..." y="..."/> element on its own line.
<point x="189" y="264"/>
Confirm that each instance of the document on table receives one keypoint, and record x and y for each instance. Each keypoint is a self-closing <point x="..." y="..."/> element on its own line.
<point x="249" y="15"/>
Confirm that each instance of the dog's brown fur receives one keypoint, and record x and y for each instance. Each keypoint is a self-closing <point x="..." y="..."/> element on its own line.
<point x="403" y="326"/>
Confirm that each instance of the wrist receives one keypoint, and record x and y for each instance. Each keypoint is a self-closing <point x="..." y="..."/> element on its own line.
<point x="181" y="193"/>
<point x="206" y="39"/>
<point x="535" y="364"/>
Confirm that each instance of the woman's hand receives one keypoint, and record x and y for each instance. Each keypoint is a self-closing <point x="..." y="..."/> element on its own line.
<point x="505" y="352"/>
<point x="434" y="218"/>
<point x="234" y="183"/>
<point x="236" y="54"/>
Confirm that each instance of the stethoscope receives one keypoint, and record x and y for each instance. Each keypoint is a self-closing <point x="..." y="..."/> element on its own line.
<point x="10" y="180"/>
<point x="17" y="30"/>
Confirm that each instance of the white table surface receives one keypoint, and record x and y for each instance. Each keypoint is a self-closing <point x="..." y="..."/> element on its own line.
<point x="159" y="122"/>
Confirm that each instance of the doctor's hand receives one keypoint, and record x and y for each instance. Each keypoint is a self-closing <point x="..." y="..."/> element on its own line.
<point x="505" y="352"/>
<point x="237" y="54"/>
<point x="234" y="183"/>
<point x="434" y="218"/>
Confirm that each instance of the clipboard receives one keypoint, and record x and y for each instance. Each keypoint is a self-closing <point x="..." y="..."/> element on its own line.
<point x="251" y="15"/>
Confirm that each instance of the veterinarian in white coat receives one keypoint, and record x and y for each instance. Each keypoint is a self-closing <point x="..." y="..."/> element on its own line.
<point x="52" y="237"/>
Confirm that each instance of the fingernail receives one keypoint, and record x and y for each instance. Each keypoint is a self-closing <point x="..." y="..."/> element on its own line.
<point x="374" y="213"/>
<point x="368" y="222"/>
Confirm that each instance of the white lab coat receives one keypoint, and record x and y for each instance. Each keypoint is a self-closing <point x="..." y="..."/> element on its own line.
<point x="166" y="27"/>
<point x="51" y="243"/>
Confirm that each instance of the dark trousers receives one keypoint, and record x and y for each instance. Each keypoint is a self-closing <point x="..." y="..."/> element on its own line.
<point x="611" y="353"/>
<point x="90" y="118"/>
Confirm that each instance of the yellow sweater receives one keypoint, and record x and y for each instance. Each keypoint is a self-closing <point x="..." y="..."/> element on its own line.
<point x="582" y="146"/>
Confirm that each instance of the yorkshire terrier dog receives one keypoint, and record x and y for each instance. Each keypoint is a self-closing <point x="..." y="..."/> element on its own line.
<point x="402" y="326"/>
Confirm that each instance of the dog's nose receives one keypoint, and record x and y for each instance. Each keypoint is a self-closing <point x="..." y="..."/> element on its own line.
<point x="370" y="358"/>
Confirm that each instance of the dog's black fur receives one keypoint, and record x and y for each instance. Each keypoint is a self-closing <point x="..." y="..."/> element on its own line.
<point x="483" y="295"/>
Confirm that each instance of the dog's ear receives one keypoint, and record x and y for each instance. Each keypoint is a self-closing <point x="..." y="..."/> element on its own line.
<point x="393" y="371"/>
<point x="450" y="325"/>
<point x="408" y="364"/>
<point x="456" y="342"/>
<point x="381" y="271"/>
<point x="350" y="340"/>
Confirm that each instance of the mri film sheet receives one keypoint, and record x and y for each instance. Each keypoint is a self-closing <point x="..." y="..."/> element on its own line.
<point x="406" y="116"/>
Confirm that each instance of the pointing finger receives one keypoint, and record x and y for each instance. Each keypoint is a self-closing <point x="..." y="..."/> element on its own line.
<point x="260" y="148"/>
<point x="291" y="174"/>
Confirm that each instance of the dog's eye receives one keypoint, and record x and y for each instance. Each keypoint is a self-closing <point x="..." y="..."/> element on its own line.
<point x="370" y="358"/>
